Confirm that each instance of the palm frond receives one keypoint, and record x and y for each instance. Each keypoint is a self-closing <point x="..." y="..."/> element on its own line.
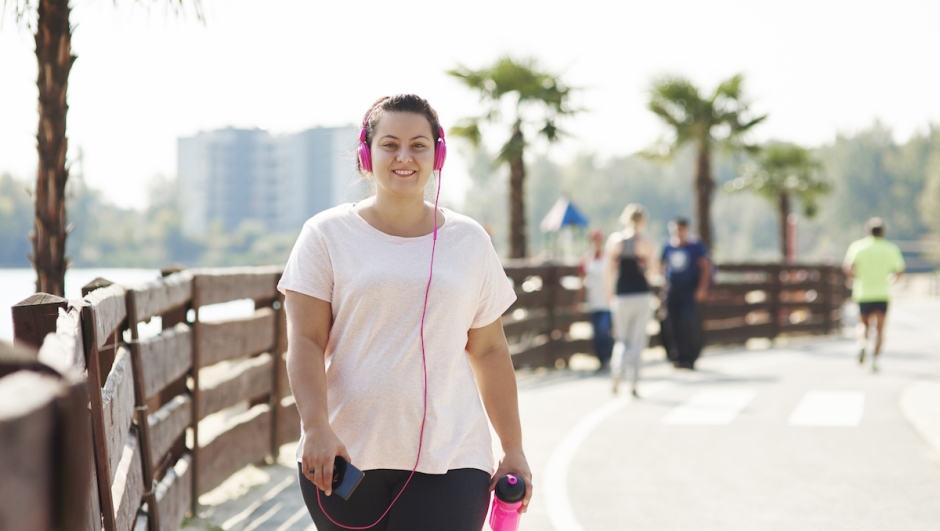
<point x="530" y="85"/>
<point x="730" y="88"/>
<point x="468" y="129"/>
<point x="784" y="169"/>
<point x="23" y="12"/>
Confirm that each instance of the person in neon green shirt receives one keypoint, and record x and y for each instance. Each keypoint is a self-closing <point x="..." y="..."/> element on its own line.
<point x="873" y="263"/>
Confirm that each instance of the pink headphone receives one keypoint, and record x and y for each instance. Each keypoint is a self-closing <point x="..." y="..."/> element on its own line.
<point x="365" y="154"/>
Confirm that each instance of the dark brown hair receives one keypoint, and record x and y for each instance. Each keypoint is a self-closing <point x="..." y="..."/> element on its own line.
<point x="876" y="227"/>
<point x="399" y="103"/>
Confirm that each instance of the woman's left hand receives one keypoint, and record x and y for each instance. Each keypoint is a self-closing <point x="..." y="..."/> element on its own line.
<point x="516" y="464"/>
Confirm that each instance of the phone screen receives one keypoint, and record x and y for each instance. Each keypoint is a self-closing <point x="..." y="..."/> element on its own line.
<point x="346" y="477"/>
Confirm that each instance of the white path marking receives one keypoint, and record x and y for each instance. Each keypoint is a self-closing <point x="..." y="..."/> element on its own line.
<point x="256" y="523"/>
<point x="714" y="407"/>
<point x="555" y="484"/>
<point x="556" y="471"/>
<point x="293" y="519"/>
<point x="829" y="408"/>
<point x="231" y="522"/>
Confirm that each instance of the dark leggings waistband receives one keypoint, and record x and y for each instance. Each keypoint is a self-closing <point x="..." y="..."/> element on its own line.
<point x="456" y="501"/>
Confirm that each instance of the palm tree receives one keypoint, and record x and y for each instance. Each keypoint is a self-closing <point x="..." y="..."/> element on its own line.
<point x="533" y="92"/>
<point x="782" y="172"/>
<point x="720" y="120"/>
<point x="53" y="33"/>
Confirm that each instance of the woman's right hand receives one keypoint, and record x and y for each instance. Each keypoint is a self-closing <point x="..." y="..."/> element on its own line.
<point x="321" y="446"/>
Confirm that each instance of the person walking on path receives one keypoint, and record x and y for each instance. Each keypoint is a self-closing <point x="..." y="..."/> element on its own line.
<point x="630" y="254"/>
<point x="396" y="353"/>
<point x="592" y="271"/>
<point x="687" y="269"/>
<point x="872" y="263"/>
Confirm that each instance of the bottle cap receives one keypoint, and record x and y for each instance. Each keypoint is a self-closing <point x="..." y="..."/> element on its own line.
<point x="510" y="489"/>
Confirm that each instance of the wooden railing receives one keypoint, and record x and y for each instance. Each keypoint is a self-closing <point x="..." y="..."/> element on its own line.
<point x="155" y="449"/>
<point x="770" y="300"/>
<point x="174" y="412"/>
<point x="538" y="324"/>
<point x="748" y="301"/>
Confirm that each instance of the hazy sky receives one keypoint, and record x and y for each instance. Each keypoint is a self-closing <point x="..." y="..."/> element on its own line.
<point x="144" y="78"/>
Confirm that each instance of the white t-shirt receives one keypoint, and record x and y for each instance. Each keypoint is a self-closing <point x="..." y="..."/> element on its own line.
<point x="595" y="291"/>
<point x="375" y="283"/>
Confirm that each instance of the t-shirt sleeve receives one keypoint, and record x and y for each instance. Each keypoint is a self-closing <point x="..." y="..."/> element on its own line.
<point x="309" y="269"/>
<point x="496" y="293"/>
<point x="850" y="255"/>
<point x="899" y="260"/>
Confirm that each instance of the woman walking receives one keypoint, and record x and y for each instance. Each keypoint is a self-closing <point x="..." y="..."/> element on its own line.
<point x="397" y="356"/>
<point x="630" y="254"/>
<point x="592" y="269"/>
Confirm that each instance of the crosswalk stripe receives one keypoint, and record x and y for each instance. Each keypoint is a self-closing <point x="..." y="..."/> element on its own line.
<point x="714" y="407"/>
<point x="829" y="408"/>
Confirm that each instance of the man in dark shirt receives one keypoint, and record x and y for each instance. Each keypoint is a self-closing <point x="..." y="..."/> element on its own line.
<point x="687" y="269"/>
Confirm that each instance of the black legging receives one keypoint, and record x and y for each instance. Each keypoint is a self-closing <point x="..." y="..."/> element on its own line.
<point x="685" y="328"/>
<point x="455" y="501"/>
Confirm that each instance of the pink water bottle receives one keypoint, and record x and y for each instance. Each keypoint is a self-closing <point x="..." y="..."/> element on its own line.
<point x="504" y="516"/>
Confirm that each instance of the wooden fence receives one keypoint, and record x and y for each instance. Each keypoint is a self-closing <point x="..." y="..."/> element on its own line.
<point x="153" y="446"/>
<point x="110" y="428"/>
<point x="748" y="301"/>
<point x="767" y="301"/>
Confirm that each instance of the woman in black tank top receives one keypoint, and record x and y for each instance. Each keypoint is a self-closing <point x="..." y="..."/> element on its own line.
<point x="630" y="254"/>
<point x="632" y="270"/>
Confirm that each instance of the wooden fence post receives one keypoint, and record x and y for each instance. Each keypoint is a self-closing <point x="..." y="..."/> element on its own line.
<point x="27" y="448"/>
<point x="776" y="288"/>
<point x="92" y="361"/>
<point x="280" y="346"/>
<point x="74" y="457"/>
<point x="550" y="284"/>
<point x="140" y="403"/>
<point x="34" y="318"/>
<point x="194" y="374"/>
<point x="829" y="276"/>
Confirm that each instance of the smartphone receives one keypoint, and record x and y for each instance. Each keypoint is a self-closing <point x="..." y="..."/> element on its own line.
<point x="346" y="477"/>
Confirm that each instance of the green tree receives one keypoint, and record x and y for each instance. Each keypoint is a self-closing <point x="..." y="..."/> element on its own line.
<point x="531" y="92"/>
<point x="15" y="217"/>
<point x="53" y="33"/>
<point x="779" y="174"/>
<point x="719" y="120"/>
<point x="929" y="202"/>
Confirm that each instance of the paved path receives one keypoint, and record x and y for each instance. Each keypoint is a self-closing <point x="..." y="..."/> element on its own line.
<point x="797" y="436"/>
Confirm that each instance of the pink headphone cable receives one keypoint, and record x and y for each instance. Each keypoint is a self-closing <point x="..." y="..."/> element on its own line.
<point x="424" y="364"/>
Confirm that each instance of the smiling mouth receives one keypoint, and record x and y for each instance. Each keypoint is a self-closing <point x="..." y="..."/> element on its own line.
<point x="404" y="173"/>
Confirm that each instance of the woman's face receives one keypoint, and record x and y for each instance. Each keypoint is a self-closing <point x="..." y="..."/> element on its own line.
<point x="402" y="154"/>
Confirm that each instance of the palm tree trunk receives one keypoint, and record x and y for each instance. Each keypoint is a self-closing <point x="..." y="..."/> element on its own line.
<point x="704" y="187"/>
<point x="54" y="55"/>
<point x="517" y="237"/>
<point x="783" y="209"/>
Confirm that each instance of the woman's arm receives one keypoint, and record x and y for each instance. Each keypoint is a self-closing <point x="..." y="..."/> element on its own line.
<point x="646" y="250"/>
<point x="612" y="252"/>
<point x="496" y="380"/>
<point x="308" y="329"/>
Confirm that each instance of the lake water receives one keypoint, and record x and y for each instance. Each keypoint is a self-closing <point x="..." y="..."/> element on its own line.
<point x="18" y="284"/>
